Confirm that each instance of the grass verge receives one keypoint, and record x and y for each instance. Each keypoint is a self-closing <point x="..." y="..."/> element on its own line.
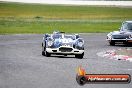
<point x="38" y="18"/>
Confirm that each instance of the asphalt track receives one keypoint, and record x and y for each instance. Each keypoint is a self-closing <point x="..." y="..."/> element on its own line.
<point x="23" y="66"/>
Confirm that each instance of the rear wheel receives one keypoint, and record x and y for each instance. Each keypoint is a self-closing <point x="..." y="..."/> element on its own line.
<point x="112" y="43"/>
<point x="80" y="56"/>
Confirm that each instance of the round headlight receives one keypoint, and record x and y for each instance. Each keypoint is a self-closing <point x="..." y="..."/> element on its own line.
<point x="50" y="43"/>
<point x="130" y="36"/>
<point x="80" y="44"/>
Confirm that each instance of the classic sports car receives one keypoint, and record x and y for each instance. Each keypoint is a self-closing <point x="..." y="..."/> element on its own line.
<point x="64" y="44"/>
<point x="124" y="35"/>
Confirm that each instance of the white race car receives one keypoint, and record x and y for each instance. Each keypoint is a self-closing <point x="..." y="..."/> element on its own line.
<point x="64" y="44"/>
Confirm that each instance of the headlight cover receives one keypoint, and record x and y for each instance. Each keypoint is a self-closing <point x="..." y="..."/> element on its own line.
<point x="50" y="42"/>
<point x="80" y="44"/>
<point x="130" y="36"/>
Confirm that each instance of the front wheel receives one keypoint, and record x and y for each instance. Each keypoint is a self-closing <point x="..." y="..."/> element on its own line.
<point x="47" y="54"/>
<point x="43" y="53"/>
<point x="43" y="50"/>
<point x="80" y="56"/>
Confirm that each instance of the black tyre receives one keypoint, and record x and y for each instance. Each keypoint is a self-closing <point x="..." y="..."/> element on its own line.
<point x="80" y="56"/>
<point x="43" y="53"/>
<point x="43" y="50"/>
<point x="47" y="54"/>
<point x="112" y="43"/>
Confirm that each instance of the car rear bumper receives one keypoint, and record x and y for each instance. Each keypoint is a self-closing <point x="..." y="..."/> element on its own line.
<point x="71" y="52"/>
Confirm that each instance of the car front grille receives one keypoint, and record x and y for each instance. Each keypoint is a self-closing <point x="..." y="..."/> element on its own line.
<point x="120" y="36"/>
<point x="65" y="49"/>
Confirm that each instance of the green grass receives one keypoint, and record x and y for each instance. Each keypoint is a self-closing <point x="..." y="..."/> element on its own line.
<point x="38" y="18"/>
<point x="44" y="27"/>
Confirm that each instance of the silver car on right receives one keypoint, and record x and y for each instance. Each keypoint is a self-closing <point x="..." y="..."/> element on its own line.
<point x="124" y="35"/>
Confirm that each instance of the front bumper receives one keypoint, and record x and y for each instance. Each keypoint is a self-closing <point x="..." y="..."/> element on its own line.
<point x="57" y="51"/>
<point x="120" y="40"/>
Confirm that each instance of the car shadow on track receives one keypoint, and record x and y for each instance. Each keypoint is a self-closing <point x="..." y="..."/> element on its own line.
<point x="61" y="56"/>
<point x="68" y="56"/>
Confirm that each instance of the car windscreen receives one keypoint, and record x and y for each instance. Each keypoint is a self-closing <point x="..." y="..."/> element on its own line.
<point x="129" y="26"/>
<point x="57" y="36"/>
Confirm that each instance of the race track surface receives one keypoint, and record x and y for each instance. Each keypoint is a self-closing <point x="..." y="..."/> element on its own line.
<point x="23" y="66"/>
